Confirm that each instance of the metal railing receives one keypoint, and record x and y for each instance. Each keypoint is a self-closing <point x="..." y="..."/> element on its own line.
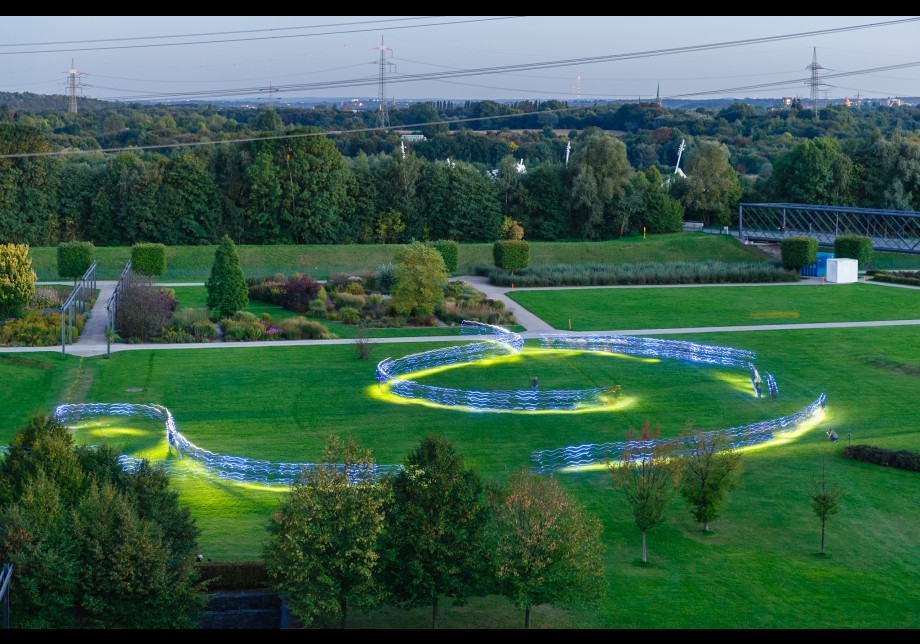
<point x="889" y="230"/>
<point x="6" y="573"/>
<point x="111" y="306"/>
<point x="77" y="303"/>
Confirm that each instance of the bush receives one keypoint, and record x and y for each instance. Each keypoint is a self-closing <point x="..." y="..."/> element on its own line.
<point x="343" y="299"/>
<point x="350" y="315"/>
<point x="143" y="311"/>
<point x="298" y="293"/>
<point x="243" y="327"/>
<point x="17" y="279"/>
<point x="644" y="273"/>
<point x="450" y="251"/>
<point x="46" y="297"/>
<point x="911" y="278"/>
<point x="36" y="329"/>
<point x="267" y="290"/>
<point x="798" y="252"/>
<point x="317" y="308"/>
<point x="300" y="328"/>
<point x="74" y="259"/>
<point x="233" y="575"/>
<point x="194" y="323"/>
<point x="385" y="277"/>
<point x="901" y="459"/>
<point x="855" y="247"/>
<point x="355" y="288"/>
<point x="511" y="254"/>
<point x="148" y="259"/>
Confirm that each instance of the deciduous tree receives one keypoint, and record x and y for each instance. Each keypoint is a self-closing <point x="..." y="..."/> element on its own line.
<point x="825" y="495"/>
<point x="710" y="469"/>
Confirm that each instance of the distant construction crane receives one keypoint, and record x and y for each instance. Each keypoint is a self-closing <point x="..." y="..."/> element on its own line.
<point x="73" y="82"/>
<point x="383" y="117"/>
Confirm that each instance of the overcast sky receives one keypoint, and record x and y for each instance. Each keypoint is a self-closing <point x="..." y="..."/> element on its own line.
<point x="459" y="57"/>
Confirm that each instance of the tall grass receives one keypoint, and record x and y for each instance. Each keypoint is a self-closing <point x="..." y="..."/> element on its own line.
<point x="642" y="274"/>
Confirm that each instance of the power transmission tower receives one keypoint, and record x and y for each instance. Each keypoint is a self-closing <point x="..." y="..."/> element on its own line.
<point x="73" y="83"/>
<point x="815" y="82"/>
<point x="383" y="118"/>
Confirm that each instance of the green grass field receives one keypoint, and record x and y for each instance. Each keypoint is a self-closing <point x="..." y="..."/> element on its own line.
<point x="758" y="568"/>
<point x="681" y="307"/>
<point x="193" y="263"/>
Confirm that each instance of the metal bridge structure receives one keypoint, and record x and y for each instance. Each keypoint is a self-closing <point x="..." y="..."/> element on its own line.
<point x="890" y="230"/>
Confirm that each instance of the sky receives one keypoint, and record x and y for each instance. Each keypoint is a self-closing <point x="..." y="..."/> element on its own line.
<point x="273" y="58"/>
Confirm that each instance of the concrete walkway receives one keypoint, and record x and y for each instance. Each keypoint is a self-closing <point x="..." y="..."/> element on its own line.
<point x="92" y="341"/>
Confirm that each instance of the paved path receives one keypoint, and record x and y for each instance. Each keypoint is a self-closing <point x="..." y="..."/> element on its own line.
<point x="94" y="331"/>
<point x="92" y="341"/>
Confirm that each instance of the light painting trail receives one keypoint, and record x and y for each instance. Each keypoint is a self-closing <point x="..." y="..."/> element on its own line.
<point x="233" y="468"/>
<point x="396" y="376"/>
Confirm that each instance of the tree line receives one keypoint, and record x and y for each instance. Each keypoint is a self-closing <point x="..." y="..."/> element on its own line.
<point x="611" y="175"/>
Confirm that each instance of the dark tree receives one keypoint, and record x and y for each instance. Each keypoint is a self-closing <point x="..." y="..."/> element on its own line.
<point x="227" y="290"/>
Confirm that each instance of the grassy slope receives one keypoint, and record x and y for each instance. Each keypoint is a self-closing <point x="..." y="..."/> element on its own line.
<point x="193" y="263"/>
<point x="758" y="569"/>
<point x="665" y="308"/>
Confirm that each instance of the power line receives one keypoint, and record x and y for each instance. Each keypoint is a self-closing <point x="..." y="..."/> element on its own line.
<point x="208" y="42"/>
<point x="215" y="33"/>
<point x="503" y="69"/>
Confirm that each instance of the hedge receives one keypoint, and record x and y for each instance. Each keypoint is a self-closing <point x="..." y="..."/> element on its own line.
<point x="511" y="254"/>
<point x="450" y="251"/>
<point x="911" y="278"/>
<point x="900" y="459"/>
<point x="74" y="258"/>
<point x="855" y="247"/>
<point x="798" y="252"/>
<point x="233" y="575"/>
<point x="148" y="259"/>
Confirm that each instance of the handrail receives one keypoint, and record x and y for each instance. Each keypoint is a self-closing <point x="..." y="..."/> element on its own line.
<point x="112" y="306"/>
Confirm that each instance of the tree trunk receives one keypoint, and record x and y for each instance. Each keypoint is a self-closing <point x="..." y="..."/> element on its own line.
<point x="706" y="526"/>
<point x="344" y="613"/>
<point x="527" y="617"/>
<point x="643" y="547"/>
<point x="822" y="537"/>
<point x="434" y="611"/>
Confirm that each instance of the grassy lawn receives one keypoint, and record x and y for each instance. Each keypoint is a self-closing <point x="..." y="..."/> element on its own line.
<point x="757" y="569"/>
<point x="679" y="307"/>
<point x="193" y="263"/>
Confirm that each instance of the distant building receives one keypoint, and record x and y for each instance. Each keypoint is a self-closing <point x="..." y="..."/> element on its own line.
<point x="895" y="102"/>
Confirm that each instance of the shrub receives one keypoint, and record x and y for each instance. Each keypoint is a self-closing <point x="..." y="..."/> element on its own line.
<point x="664" y="214"/>
<point x="343" y="299"/>
<point x="798" y="252"/>
<point x="855" y="247"/>
<point x="233" y="575"/>
<point x="36" y="329"/>
<point x="74" y="259"/>
<point x="418" y="281"/>
<point x="300" y="328"/>
<point x="227" y="290"/>
<point x="911" y="278"/>
<point x="450" y="251"/>
<point x="350" y="315"/>
<point x="317" y="308"/>
<point x="17" y="279"/>
<point x="385" y="277"/>
<point x="267" y="291"/>
<point x="510" y="229"/>
<point x="46" y="298"/>
<point x="148" y="259"/>
<point x="901" y="459"/>
<point x="143" y="311"/>
<point x="644" y="273"/>
<point x="511" y="254"/>
<point x="243" y="327"/>
<point x="354" y="288"/>
<point x="298" y="293"/>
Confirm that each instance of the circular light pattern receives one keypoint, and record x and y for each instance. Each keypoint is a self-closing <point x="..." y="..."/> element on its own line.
<point x="393" y="373"/>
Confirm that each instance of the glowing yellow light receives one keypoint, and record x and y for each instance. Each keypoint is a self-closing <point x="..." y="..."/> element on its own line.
<point x="113" y="432"/>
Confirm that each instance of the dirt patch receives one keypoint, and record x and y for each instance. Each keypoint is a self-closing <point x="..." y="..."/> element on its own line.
<point x="899" y="366"/>
<point x="19" y="361"/>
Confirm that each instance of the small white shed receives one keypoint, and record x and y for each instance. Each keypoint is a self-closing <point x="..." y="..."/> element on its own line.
<point x="842" y="271"/>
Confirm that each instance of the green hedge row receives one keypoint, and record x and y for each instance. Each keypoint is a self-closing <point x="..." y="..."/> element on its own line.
<point x="798" y="252"/>
<point x="900" y="459"/>
<point x="148" y="259"/>
<point x="74" y="258"/>
<point x="854" y="247"/>
<point x="450" y="251"/>
<point x="911" y="278"/>
<point x="511" y="254"/>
